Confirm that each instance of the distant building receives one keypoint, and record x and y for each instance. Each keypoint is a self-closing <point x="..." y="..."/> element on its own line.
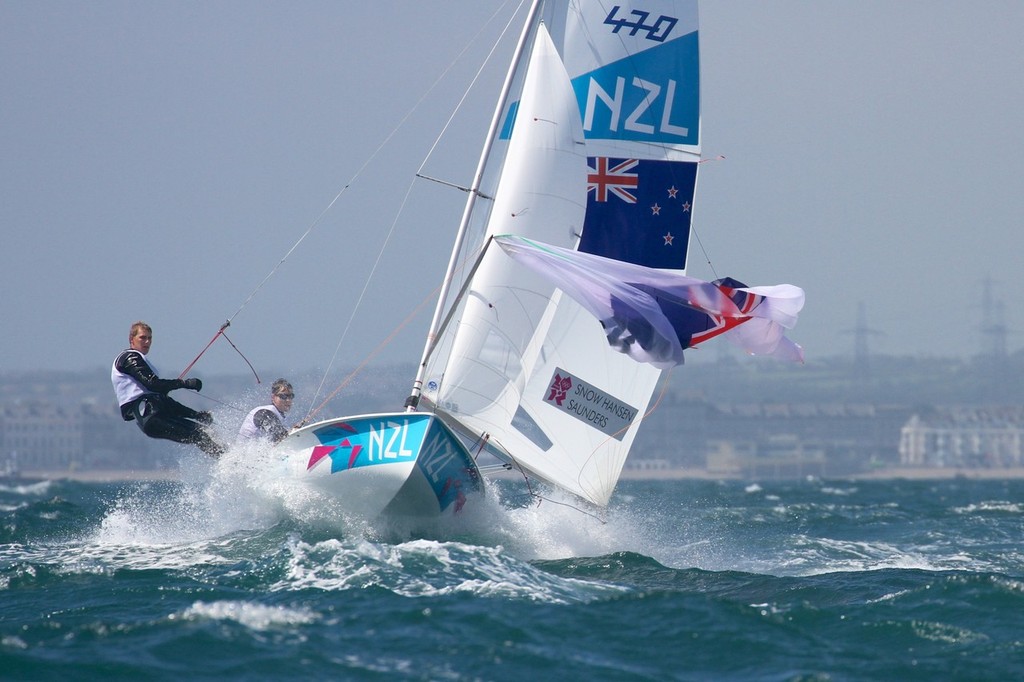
<point x="38" y="435"/>
<point x="748" y="418"/>
<point x="778" y="440"/>
<point x="988" y="438"/>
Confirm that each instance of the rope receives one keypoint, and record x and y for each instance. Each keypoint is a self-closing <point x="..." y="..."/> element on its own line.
<point x="220" y="332"/>
<point x="529" y="486"/>
<point x="372" y="354"/>
<point x="196" y="359"/>
<point x="243" y="357"/>
<point x="542" y="498"/>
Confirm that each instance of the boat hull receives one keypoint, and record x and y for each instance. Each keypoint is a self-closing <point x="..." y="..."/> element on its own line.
<point x="400" y="464"/>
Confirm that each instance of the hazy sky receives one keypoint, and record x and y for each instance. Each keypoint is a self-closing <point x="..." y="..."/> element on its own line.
<point x="158" y="159"/>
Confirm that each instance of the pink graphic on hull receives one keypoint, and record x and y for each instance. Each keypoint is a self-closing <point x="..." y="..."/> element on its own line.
<point x="319" y="452"/>
<point x="322" y="451"/>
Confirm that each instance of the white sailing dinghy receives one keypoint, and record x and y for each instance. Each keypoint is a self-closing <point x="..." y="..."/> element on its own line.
<point x="565" y="297"/>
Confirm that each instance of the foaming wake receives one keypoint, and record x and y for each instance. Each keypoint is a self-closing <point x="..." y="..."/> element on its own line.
<point x="425" y="568"/>
<point x="551" y="527"/>
<point x="247" y="489"/>
<point x="212" y="500"/>
<point x="555" y="525"/>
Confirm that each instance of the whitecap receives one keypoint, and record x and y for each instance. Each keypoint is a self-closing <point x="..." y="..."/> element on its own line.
<point x="252" y="615"/>
<point x="38" y="488"/>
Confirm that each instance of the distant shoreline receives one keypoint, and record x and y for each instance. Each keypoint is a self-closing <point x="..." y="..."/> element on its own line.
<point x="103" y="475"/>
<point x="909" y="473"/>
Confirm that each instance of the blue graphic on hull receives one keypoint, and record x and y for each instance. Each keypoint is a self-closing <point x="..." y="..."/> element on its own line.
<point x="369" y="441"/>
<point x="390" y="439"/>
<point x="448" y="468"/>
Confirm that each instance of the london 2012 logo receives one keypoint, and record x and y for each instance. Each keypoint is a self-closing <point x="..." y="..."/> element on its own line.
<point x="595" y="407"/>
<point x="559" y="388"/>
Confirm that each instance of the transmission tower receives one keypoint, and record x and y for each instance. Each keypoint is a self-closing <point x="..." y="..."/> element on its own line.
<point x="861" y="332"/>
<point x="993" y="322"/>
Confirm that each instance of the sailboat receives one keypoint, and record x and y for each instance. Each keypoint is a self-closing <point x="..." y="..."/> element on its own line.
<point x="566" y="297"/>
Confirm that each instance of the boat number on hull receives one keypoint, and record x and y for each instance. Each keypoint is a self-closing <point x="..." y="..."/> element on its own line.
<point x="367" y="442"/>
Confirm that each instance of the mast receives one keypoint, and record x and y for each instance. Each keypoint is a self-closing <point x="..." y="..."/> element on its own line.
<point x="474" y="192"/>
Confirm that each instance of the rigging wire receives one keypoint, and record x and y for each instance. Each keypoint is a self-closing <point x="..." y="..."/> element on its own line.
<point x="230" y="406"/>
<point x="356" y="307"/>
<point x="472" y="83"/>
<point x="401" y="209"/>
<point x="372" y="354"/>
<point x="530" y="492"/>
<point x="377" y="349"/>
<point x="693" y="228"/>
<point x="359" y="172"/>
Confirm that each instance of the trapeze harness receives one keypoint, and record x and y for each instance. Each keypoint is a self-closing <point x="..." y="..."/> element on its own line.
<point x="136" y="402"/>
<point x="265" y="421"/>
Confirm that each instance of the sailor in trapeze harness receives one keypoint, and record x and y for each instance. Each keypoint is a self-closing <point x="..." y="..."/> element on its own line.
<point x="143" y="397"/>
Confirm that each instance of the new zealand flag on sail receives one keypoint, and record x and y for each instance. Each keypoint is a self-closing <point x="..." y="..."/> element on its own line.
<point x="639" y="210"/>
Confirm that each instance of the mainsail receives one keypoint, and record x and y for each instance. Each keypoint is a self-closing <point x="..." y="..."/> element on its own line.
<point x="597" y="155"/>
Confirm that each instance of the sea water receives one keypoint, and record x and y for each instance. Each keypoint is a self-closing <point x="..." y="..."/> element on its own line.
<point x="214" y="577"/>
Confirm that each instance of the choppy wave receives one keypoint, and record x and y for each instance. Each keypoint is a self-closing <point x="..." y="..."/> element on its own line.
<point x="229" y="575"/>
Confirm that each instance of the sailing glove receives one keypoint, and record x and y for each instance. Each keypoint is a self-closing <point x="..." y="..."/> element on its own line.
<point x="192" y="384"/>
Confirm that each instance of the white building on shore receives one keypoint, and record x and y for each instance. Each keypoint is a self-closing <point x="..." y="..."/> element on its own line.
<point x="988" y="437"/>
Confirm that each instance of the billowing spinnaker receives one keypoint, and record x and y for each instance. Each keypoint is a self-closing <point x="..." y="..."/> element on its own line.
<point x="652" y="315"/>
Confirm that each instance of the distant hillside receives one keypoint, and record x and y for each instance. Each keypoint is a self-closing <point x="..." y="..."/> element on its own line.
<point x="887" y="380"/>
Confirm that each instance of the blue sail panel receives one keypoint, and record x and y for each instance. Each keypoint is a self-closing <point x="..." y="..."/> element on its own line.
<point x="652" y="96"/>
